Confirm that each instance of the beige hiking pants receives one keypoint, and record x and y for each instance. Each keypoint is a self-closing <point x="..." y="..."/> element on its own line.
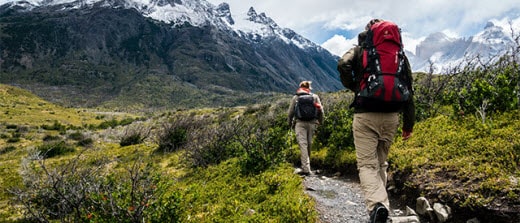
<point x="304" y="133"/>
<point x="373" y="135"/>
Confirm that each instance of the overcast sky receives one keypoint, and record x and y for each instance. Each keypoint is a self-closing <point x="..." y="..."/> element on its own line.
<point x="334" y="24"/>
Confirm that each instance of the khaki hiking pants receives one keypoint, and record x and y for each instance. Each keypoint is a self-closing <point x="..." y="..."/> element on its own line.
<point x="304" y="133"/>
<point x="373" y="135"/>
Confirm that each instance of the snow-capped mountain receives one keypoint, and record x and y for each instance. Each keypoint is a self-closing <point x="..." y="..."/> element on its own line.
<point x="445" y="53"/>
<point x="194" y="12"/>
<point x="103" y="48"/>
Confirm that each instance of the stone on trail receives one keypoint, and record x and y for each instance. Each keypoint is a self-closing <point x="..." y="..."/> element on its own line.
<point x="423" y="206"/>
<point x="443" y="212"/>
<point x="404" y="219"/>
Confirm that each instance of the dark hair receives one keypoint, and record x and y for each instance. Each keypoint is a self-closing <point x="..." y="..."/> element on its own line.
<point x="372" y="22"/>
<point x="362" y="36"/>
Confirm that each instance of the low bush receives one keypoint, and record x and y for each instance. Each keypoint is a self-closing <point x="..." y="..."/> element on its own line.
<point x="335" y="136"/>
<point x="57" y="126"/>
<point x="54" y="148"/>
<point x="263" y="149"/>
<point x="213" y="144"/>
<point x="48" y="138"/>
<point x="173" y="134"/>
<point x="13" y="140"/>
<point x="78" y="136"/>
<point x="108" y="124"/>
<point x="480" y="161"/>
<point x="7" y="149"/>
<point x="134" y="135"/>
<point x="73" y="192"/>
<point x="86" y="142"/>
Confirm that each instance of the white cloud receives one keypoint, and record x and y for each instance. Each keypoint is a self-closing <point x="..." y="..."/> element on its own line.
<point x="338" y="44"/>
<point x="322" y="21"/>
<point x="418" y="18"/>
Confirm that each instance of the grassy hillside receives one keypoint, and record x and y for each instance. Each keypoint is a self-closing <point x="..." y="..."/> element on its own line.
<point x="216" y="164"/>
<point x="47" y="151"/>
<point x="20" y="107"/>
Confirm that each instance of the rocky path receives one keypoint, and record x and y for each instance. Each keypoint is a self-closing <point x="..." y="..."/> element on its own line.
<point x="338" y="200"/>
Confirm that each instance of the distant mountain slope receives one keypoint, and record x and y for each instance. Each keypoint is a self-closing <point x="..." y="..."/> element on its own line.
<point x="175" y="53"/>
<point x="447" y="52"/>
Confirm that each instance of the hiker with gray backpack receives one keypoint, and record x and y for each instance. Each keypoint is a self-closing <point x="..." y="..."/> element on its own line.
<point x="305" y="114"/>
<point x="379" y="74"/>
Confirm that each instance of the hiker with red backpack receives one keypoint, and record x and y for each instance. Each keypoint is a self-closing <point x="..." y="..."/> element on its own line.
<point x="378" y="72"/>
<point x="305" y="114"/>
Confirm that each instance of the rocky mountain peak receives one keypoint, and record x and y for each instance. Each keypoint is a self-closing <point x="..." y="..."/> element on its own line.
<point x="492" y="34"/>
<point x="260" y="18"/>
<point x="489" y="24"/>
<point x="224" y="12"/>
<point x="445" y="52"/>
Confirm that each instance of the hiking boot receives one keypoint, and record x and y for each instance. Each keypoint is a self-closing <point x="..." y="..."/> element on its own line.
<point x="379" y="214"/>
<point x="304" y="173"/>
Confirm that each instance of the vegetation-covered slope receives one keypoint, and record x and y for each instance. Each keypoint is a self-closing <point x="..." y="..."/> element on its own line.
<point x="464" y="163"/>
<point x="207" y="165"/>
<point x="184" y="166"/>
<point x="93" y="55"/>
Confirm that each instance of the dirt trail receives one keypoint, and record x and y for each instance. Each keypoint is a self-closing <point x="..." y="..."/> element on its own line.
<point x="338" y="199"/>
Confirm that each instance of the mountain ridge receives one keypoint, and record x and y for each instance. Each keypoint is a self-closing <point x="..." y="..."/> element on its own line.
<point x="444" y="52"/>
<point x="102" y="52"/>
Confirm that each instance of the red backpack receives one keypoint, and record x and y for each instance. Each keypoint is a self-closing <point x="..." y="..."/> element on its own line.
<point x="384" y="85"/>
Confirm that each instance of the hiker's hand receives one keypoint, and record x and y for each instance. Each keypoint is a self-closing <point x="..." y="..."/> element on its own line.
<point x="406" y="135"/>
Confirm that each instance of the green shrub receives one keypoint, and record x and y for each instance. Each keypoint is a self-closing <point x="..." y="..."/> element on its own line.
<point x="131" y="140"/>
<point x="484" y="91"/>
<point x="477" y="159"/>
<point x="11" y="126"/>
<point x="335" y="136"/>
<point x="134" y="135"/>
<point x="108" y="124"/>
<point x="13" y="140"/>
<point x="78" y="136"/>
<point x="54" y="148"/>
<point x="172" y="138"/>
<point x="263" y="149"/>
<point x="85" y="142"/>
<point x="213" y="144"/>
<point x="72" y="192"/>
<point x="139" y="196"/>
<point x="57" y="126"/>
<point x="126" y="121"/>
<point x="7" y="149"/>
<point x="47" y="138"/>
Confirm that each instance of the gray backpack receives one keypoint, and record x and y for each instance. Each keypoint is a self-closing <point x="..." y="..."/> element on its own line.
<point x="305" y="109"/>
